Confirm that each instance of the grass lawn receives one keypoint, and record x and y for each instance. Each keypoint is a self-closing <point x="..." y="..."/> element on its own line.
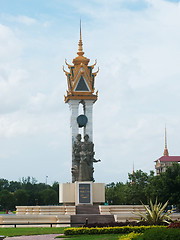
<point x="93" y="237"/>
<point x="3" y="212"/>
<point x="10" y="232"/>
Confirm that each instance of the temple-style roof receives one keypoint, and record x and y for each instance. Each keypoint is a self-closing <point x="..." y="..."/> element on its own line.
<point x="169" y="159"/>
<point x="80" y="77"/>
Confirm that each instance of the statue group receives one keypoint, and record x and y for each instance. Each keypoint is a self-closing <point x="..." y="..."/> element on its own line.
<point x="83" y="158"/>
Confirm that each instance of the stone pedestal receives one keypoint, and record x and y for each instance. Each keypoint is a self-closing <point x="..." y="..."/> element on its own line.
<point x="78" y="193"/>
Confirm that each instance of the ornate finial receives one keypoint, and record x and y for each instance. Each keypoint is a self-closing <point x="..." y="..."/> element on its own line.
<point x="166" y="153"/>
<point x="80" y="30"/>
<point x="80" y="44"/>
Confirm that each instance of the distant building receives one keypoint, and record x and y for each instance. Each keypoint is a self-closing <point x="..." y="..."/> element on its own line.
<point x="165" y="161"/>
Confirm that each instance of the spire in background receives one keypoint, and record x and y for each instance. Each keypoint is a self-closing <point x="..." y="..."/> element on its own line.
<point x="166" y="153"/>
<point x="80" y="44"/>
<point x="133" y="168"/>
<point x="133" y="179"/>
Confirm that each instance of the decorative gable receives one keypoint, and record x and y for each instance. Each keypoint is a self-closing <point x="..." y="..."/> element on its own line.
<point x="81" y="85"/>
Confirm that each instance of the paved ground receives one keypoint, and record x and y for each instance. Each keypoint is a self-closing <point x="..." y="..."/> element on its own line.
<point x="35" y="237"/>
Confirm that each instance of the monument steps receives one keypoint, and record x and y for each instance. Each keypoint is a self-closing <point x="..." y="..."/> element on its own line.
<point x="92" y="218"/>
<point x="92" y="213"/>
<point x="87" y="209"/>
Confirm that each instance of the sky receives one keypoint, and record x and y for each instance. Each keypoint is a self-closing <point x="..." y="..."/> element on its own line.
<point x="137" y="47"/>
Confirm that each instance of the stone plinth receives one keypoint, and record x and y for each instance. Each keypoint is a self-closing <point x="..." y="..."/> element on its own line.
<point x="81" y="193"/>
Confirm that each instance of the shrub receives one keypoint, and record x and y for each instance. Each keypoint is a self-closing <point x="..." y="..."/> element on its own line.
<point x="155" y="215"/>
<point x="119" y="224"/>
<point x="162" y="234"/>
<point x="108" y="230"/>
<point x="174" y="225"/>
<point x="129" y="236"/>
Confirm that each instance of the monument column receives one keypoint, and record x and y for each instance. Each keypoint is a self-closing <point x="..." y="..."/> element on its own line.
<point x="88" y="111"/>
<point x="74" y="109"/>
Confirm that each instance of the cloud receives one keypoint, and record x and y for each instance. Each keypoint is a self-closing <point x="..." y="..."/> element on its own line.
<point x="22" y="19"/>
<point x="137" y="48"/>
<point x="25" y="20"/>
<point x="10" y="48"/>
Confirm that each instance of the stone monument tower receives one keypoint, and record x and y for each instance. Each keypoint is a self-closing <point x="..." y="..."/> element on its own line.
<point x="81" y="81"/>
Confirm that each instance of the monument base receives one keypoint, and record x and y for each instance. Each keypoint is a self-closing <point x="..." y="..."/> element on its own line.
<point x="81" y="193"/>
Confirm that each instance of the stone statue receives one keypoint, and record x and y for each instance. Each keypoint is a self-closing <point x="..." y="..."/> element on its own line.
<point x="83" y="158"/>
<point x="76" y="157"/>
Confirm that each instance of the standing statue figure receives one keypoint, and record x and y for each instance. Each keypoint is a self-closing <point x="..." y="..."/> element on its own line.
<point x="83" y="158"/>
<point x="76" y="157"/>
<point x="87" y="153"/>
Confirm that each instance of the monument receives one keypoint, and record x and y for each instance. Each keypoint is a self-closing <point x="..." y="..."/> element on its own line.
<point x="81" y="81"/>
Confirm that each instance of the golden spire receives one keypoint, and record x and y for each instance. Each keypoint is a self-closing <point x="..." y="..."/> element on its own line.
<point x="165" y="149"/>
<point x="80" y="44"/>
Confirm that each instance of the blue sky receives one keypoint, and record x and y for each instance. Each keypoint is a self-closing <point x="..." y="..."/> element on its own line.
<point x="136" y="44"/>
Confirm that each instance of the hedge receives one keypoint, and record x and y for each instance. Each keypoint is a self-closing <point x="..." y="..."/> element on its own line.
<point x="174" y="225"/>
<point x="130" y="236"/>
<point x="108" y="230"/>
<point x="163" y="234"/>
<point x="120" y="224"/>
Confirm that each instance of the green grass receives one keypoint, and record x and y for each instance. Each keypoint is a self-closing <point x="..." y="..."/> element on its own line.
<point x="139" y="238"/>
<point x="93" y="237"/>
<point x="3" y="212"/>
<point x="11" y="232"/>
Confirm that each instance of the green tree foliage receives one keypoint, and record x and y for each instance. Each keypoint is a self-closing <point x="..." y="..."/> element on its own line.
<point x="166" y="186"/>
<point x="137" y="185"/>
<point x="116" y="193"/>
<point x="21" y="197"/>
<point x="4" y="184"/>
<point x="55" y="186"/>
<point x="171" y="180"/>
<point x="26" y="192"/>
<point x="132" y="192"/>
<point x="14" y="185"/>
<point x="7" y="200"/>
<point x="49" y="196"/>
<point x="143" y="187"/>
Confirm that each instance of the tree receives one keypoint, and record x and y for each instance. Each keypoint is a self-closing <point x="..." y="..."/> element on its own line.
<point x="166" y="186"/>
<point x="4" y="184"/>
<point x="49" y="197"/>
<point x="115" y="193"/>
<point x="171" y="179"/>
<point x="137" y="185"/>
<point x="55" y="186"/>
<point x="21" y="197"/>
<point x="14" y="185"/>
<point x="7" y="200"/>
